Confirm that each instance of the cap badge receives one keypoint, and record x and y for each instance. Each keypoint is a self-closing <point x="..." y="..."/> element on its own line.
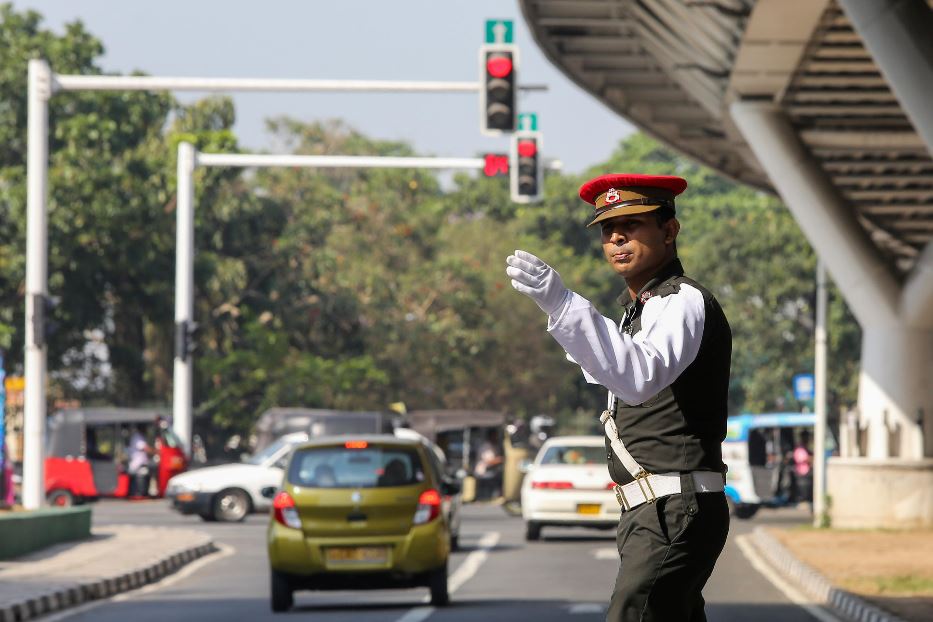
<point x="645" y="296"/>
<point x="612" y="196"/>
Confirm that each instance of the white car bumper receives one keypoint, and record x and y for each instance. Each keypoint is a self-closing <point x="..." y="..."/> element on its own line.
<point x="570" y="507"/>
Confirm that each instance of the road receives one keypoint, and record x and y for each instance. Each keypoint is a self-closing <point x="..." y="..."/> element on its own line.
<point x="497" y="576"/>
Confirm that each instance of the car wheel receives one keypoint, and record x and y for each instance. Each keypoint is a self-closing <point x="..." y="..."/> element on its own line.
<point x="60" y="499"/>
<point x="744" y="510"/>
<point x="437" y="582"/>
<point x="532" y="531"/>
<point x="282" y="594"/>
<point x="231" y="505"/>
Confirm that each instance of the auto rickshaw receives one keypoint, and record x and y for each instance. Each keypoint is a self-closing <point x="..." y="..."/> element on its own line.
<point x="473" y="443"/>
<point x="87" y="453"/>
<point x="755" y="452"/>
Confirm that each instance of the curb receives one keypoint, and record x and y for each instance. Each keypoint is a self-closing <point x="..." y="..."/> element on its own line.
<point x="63" y="597"/>
<point x="842" y="603"/>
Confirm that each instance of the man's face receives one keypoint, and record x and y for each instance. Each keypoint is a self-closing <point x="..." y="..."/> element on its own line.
<point x="636" y="246"/>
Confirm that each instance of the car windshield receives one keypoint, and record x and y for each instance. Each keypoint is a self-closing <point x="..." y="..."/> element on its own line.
<point x="574" y="454"/>
<point x="268" y="452"/>
<point x="366" y="466"/>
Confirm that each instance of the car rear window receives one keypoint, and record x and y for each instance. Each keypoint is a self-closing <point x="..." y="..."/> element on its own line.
<point x="368" y="467"/>
<point x="574" y="454"/>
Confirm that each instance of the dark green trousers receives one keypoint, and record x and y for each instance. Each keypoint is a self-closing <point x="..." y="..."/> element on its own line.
<point x="668" y="550"/>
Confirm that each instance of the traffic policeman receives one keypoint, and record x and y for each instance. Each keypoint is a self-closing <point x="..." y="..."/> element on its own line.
<point x="666" y="366"/>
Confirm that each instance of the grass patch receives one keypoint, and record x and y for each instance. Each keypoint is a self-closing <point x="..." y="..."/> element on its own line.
<point x="904" y="584"/>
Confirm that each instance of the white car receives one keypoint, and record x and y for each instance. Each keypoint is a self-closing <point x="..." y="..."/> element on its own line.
<point x="569" y="485"/>
<point x="228" y="492"/>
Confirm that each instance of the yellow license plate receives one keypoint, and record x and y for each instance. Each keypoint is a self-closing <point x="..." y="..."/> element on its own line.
<point x="588" y="508"/>
<point x="357" y="555"/>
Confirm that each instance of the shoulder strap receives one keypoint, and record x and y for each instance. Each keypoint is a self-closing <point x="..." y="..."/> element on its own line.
<point x="618" y="447"/>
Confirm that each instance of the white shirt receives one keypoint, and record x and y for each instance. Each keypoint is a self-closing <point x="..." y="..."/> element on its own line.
<point x="138" y="455"/>
<point x="638" y="367"/>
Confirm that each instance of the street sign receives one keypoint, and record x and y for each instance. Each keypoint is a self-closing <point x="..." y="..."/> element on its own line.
<point x="528" y="122"/>
<point x="804" y="387"/>
<point x="495" y="164"/>
<point x="498" y="31"/>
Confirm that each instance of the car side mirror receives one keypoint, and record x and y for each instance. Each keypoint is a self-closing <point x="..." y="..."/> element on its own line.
<point x="268" y="492"/>
<point x="451" y="487"/>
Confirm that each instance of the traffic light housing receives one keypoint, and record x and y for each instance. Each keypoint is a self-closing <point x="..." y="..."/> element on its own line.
<point x="186" y="338"/>
<point x="44" y="324"/>
<point x="498" y="84"/>
<point x="526" y="172"/>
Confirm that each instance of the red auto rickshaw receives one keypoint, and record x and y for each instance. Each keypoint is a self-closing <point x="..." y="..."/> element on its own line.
<point x="88" y="453"/>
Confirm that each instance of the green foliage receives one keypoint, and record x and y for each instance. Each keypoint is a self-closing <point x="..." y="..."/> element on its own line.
<point x="353" y="288"/>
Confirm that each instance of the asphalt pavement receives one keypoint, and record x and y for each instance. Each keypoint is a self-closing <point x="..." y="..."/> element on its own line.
<point x="496" y="576"/>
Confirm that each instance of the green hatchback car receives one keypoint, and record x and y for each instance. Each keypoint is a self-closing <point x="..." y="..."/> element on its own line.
<point x="360" y="512"/>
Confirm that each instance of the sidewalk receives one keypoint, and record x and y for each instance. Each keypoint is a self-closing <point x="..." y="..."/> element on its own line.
<point x="116" y="559"/>
<point x="862" y="576"/>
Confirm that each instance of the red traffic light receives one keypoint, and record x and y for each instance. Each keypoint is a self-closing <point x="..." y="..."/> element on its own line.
<point x="527" y="148"/>
<point x="499" y="66"/>
<point x="495" y="164"/>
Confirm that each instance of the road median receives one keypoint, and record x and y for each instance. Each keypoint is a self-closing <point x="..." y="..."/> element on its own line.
<point x="861" y="576"/>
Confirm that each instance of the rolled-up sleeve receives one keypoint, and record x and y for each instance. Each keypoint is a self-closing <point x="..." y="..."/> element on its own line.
<point x="634" y="368"/>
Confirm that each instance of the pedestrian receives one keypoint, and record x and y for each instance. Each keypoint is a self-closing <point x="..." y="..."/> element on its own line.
<point x="138" y="465"/>
<point x="803" y="468"/>
<point x="666" y="366"/>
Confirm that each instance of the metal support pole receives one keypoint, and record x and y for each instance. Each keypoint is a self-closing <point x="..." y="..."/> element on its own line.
<point x="184" y="294"/>
<point x="819" y="429"/>
<point x="34" y="410"/>
<point x="159" y="83"/>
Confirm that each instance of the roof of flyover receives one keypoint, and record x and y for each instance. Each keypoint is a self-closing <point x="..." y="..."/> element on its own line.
<point x="672" y="67"/>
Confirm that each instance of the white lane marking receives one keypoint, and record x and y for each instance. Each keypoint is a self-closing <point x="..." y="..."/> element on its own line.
<point x="791" y="592"/>
<point x="223" y="550"/>
<point x="606" y="553"/>
<point x="464" y="573"/>
<point x="417" y="614"/>
<point x="473" y="561"/>
<point x="586" y="608"/>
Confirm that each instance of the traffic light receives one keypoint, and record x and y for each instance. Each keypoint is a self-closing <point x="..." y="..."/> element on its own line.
<point x="526" y="175"/>
<point x="186" y="338"/>
<point x="495" y="164"/>
<point x="44" y="324"/>
<point x="498" y="65"/>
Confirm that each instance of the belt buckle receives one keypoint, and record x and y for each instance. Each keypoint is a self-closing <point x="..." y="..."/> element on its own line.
<point x="620" y="497"/>
<point x="643" y="475"/>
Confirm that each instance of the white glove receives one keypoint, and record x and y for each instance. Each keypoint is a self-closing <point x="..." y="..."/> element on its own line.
<point x="538" y="281"/>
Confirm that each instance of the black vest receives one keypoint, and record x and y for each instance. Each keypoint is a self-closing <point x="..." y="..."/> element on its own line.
<point x="682" y="427"/>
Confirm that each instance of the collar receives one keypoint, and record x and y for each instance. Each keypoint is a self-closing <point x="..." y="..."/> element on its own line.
<point x="669" y="270"/>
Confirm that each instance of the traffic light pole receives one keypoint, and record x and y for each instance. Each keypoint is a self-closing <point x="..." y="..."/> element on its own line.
<point x="189" y="159"/>
<point x="42" y="84"/>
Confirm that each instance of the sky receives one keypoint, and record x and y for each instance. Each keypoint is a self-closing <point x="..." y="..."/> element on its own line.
<point x="347" y="39"/>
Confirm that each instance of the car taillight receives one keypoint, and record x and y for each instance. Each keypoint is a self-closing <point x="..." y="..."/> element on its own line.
<point x="552" y="485"/>
<point x="611" y="485"/>
<point x="429" y="507"/>
<point x="283" y="509"/>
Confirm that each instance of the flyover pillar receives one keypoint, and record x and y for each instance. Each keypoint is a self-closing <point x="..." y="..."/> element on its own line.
<point x="897" y="34"/>
<point x="895" y="401"/>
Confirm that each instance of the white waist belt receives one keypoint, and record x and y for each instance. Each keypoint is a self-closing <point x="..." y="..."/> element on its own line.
<point x="647" y="488"/>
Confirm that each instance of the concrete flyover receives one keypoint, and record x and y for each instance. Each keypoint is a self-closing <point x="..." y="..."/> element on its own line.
<point x="827" y="104"/>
